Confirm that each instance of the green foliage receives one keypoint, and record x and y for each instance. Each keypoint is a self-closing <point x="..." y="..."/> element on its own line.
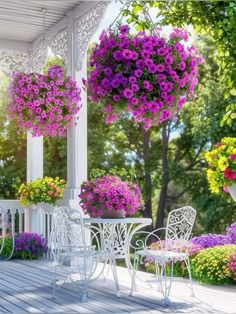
<point x="124" y="174"/>
<point x="12" y="149"/>
<point x="7" y="247"/>
<point x="210" y="265"/>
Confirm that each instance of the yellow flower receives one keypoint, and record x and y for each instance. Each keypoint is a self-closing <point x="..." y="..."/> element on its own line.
<point x="223" y="163"/>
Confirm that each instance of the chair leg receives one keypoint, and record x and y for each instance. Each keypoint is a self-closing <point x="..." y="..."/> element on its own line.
<point x="112" y="262"/>
<point x="134" y="271"/>
<point x="187" y="263"/>
<point x="84" y="296"/>
<point x="166" y="281"/>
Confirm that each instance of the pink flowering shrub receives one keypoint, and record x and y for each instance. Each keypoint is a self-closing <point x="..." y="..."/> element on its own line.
<point x="44" y="104"/>
<point x="145" y="75"/>
<point x="232" y="265"/>
<point x="110" y="193"/>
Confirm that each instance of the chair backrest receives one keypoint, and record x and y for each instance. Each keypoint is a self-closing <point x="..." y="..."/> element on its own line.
<point x="180" y="224"/>
<point x="67" y="232"/>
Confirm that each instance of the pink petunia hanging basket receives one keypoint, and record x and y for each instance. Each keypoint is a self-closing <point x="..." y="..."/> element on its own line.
<point x="148" y="76"/>
<point x="46" y="105"/>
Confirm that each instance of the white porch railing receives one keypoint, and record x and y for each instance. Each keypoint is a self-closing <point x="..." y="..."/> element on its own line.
<point x="14" y="218"/>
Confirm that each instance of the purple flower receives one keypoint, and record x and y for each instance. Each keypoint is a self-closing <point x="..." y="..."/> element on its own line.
<point x="160" y="67"/>
<point x="128" y="93"/>
<point x="117" y="55"/>
<point x="132" y="79"/>
<point x="231" y="233"/>
<point x="127" y="54"/>
<point x="138" y="73"/>
<point x="105" y="83"/>
<point x="115" y="83"/>
<point x="116" y="98"/>
<point x="211" y="240"/>
<point x="135" y="87"/>
<point x="124" y="29"/>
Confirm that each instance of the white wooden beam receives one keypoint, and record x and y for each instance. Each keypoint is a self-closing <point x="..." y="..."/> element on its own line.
<point x="14" y="45"/>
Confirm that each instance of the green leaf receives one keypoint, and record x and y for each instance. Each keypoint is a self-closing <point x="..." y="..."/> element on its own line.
<point x="137" y="9"/>
<point x="233" y="92"/>
<point x="233" y="115"/>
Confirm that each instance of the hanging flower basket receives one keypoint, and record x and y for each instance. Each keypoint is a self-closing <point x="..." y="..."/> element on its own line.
<point x="221" y="159"/>
<point x="44" y="104"/>
<point x="148" y="76"/>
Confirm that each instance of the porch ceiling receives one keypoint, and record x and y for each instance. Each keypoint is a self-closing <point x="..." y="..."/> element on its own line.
<point x="22" y="20"/>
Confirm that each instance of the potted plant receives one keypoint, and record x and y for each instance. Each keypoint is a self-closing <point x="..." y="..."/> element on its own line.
<point x="146" y="75"/>
<point x="46" y="190"/>
<point x="221" y="159"/>
<point x="44" y="104"/>
<point x="109" y="196"/>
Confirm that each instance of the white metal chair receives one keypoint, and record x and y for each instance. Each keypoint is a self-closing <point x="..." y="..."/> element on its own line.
<point x="173" y="248"/>
<point x="76" y="251"/>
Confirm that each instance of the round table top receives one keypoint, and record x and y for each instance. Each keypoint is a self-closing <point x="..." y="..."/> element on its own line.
<point x="146" y="221"/>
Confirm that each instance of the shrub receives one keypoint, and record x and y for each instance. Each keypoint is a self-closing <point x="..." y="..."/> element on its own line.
<point x="7" y="247"/>
<point x="30" y="245"/>
<point x="210" y="265"/>
<point x="232" y="265"/>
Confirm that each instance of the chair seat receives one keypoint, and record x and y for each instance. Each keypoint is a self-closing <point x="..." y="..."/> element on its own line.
<point x="160" y="255"/>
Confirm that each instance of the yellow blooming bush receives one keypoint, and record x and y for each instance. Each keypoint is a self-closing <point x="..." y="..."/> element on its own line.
<point x="222" y="165"/>
<point x="211" y="265"/>
<point x="46" y="190"/>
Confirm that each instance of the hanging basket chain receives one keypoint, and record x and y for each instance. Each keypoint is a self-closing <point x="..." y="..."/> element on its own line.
<point x="125" y="5"/>
<point x="146" y="15"/>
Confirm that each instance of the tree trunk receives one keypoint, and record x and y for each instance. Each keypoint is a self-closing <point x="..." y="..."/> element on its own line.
<point x="165" y="176"/>
<point x="147" y="176"/>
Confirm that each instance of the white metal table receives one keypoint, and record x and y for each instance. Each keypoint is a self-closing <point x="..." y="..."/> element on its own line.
<point x="116" y="234"/>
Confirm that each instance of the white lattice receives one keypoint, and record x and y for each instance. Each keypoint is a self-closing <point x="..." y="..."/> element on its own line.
<point x="86" y="25"/>
<point x="14" y="61"/>
<point x="59" y="44"/>
<point x="38" y="56"/>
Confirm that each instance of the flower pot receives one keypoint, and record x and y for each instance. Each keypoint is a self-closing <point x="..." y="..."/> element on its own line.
<point x="232" y="191"/>
<point x="119" y="214"/>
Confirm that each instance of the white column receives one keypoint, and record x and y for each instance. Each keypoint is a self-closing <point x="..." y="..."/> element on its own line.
<point x="34" y="171"/>
<point x="77" y="134"/>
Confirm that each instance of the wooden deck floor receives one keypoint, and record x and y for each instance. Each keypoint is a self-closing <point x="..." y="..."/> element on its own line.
<point x="25" y="288"/>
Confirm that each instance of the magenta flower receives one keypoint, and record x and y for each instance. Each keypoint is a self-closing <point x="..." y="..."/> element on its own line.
<point x="152" y="76"/>
<point x="37" y="96"/>
<point x="110" y="193"/>
<point x="229" y="174"/>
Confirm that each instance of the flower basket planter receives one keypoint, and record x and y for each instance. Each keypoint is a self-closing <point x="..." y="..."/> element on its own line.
<point x="118" y="214"/>
<point x="221" y="173"/>
<point x="232" y="191"/>
<point x="44" y="104"/>
<point x="148" y="76"/>
<point x="110" y="197"/>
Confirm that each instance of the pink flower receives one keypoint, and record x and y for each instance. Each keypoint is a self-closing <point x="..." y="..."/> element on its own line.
<point x="229" y="174"/>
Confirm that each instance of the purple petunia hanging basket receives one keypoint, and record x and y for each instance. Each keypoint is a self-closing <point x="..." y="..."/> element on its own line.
<point x="148" y="76"/>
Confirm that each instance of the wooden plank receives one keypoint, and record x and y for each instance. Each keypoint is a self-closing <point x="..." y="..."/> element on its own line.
<point x="94" y="305"/>
<point x="27" y="283"/>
